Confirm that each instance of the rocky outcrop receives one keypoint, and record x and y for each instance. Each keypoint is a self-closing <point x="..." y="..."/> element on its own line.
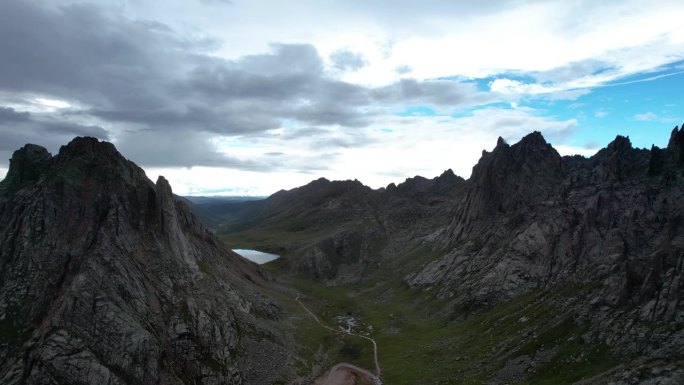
<point x="530" y="219"/>
<point x="611" y="224"/>
<point x="27" y="165"/>
<point x="106" y="279"/>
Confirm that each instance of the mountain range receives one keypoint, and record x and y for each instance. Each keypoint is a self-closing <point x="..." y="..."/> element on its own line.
<point x="606" y="230"/>
<point x="537" y="269"/>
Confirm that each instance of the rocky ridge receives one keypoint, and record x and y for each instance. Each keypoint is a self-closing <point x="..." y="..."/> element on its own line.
<point x="105" y="278"/>
<point x="338" y="231"/>
<point x="528" y="220"/>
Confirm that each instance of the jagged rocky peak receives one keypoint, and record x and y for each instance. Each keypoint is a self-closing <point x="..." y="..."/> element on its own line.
<point x="676" y="138"/>
<point x="414" y="184"/>
<point x="501" y="143"/>
<point x="106" y="279"/>
<point x="530" y="155"/>
<point x="619" y="161"/>
<point x="620" y="144"/>
<point x="448" y="180"/>
<point x="534" y="144"/>
<point x="311" y="187"/>
<point x="319" y="182"/>
<point x="668" y="161"/>
<point x="80" y="157"/>
<point x="88" y="147"/>
<point x="675" y="146"/>
<point x="163" y="187"/>
<point x="325" y="186"/>
<point x="448" y="174"/>
<point x="513" y="175"/>
<point x="418" y="184"/>
<point x="27" y="165"/>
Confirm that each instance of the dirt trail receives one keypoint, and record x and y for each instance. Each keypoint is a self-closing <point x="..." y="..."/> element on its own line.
<point x="328" y="380"/>
<point x="346" y="374"/>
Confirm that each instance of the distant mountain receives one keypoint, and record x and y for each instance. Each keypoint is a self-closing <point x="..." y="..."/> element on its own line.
<point x="528" y="220"/>
<point x="337" y="230"/>
<point x="105" y="278"/>
<point x="208" y="208"/>
<point x="219" y="199"/>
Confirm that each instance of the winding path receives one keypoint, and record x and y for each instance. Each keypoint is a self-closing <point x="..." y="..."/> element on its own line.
<point x="378" y="371"/>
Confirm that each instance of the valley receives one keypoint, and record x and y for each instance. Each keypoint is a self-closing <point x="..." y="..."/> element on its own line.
<point x="438" y="192"/>
<point x="418" y="343"/>
<point x="538" y="269"/>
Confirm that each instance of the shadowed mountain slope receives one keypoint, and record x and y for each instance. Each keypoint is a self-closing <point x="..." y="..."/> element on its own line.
<point x="339" y="230"/>
<point x="106" y="279"/>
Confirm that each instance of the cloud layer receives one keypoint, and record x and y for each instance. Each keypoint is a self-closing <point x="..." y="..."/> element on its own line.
<point x="287" y="95"/>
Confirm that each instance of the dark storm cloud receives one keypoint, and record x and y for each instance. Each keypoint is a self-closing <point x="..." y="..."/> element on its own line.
<point x="17" y="129"/>
<point x="152" y="85"/>
<point x="72" y="129"/>
<point x="79" y="52"/>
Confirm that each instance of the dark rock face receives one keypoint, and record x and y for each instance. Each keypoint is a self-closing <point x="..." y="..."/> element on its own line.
<point x="530" y="219"/>
<point x="27" y="165"/>
<point x="613" y="223"/>
<point x="106" y="279"/>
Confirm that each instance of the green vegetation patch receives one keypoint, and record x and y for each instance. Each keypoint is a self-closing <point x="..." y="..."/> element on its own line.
<point x="416" y="346"/>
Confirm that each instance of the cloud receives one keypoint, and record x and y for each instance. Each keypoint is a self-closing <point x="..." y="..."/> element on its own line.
<point x="188" y="149"/>
<point x="10" y="115"/>
<point x="146" y="83"/>
<point x="86" y="54"/>
<point x="346" y="60"/>
<point x="213" y="89"/>
<point x="600" y="113"/>
<point x="511" y="86"/>
<point x="647" y="116"/>
<point x="427" y="145"/>
<point x="434" y="92"/>
<point x="19" y="128"/>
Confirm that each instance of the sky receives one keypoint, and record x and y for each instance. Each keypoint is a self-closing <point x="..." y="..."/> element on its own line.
<point x="238" y="97"/>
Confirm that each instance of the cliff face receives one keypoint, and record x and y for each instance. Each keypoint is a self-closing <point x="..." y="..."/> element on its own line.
<point x="106" y="279"/>
<point x="531" y="219"/>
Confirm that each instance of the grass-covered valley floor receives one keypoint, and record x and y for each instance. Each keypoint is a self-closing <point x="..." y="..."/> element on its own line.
<point x="423" y="340"/>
